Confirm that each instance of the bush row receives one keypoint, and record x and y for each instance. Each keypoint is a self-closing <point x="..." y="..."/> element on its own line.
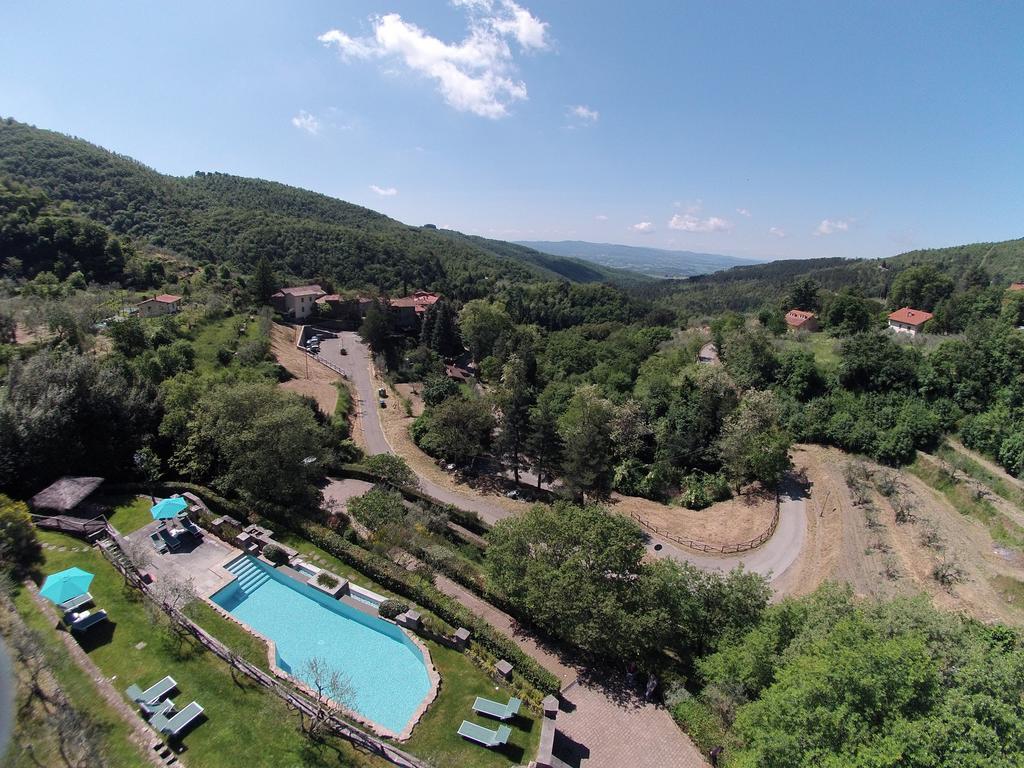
<point x="216" y="503"/>
<point x="391" y="577"/>
<point x="468" y="520"/>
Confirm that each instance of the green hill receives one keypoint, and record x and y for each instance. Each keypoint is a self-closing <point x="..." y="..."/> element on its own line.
<point x="214" y="217"/>
<point x="749" y="287"/>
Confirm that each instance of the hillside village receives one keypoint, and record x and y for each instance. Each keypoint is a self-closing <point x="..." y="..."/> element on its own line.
<point x="287" y="481"/>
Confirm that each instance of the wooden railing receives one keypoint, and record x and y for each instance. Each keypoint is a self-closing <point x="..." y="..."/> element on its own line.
<point x="295" y="700"/>
<point x="704" y="546"/>
<point x="85" y="528"/>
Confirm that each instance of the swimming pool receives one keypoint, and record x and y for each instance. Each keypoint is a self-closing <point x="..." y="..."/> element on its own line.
<point x="386" y="669"/>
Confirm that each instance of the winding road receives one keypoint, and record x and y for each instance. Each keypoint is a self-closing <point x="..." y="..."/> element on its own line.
<point x="771" y="559"/>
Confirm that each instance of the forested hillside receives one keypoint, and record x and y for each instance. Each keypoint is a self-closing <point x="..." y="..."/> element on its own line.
<point x="749" y="287"/>
<point x="221" y="218"/>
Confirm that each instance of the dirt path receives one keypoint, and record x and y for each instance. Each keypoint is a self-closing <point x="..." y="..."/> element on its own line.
<point x="740" y="518"/>
<point x="987" y="463"/>
<point x="311" y="378"/>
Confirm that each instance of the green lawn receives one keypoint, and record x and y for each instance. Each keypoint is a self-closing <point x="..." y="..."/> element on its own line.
<point x="83" y="695"/>
<point x="824" y="347"/>
<point x="436" y="739"/>
<point x="129" y="512"/>
<point x="248" y="726"/>
<point x="245" y="725"/>
<point x="214" y="335"/>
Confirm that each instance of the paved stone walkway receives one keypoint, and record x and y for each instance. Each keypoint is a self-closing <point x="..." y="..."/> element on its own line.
<point x="599" y="730"/>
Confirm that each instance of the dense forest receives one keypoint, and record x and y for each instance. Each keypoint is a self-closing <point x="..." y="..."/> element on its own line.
<point x="221" y="218"/>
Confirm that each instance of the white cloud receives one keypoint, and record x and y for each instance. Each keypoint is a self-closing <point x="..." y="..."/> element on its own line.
<point x="584" y="113"/>
<point x="643" y="226"/>
<point x="474" y="75"/>
<point x="690" y="222"/>
<point x="529" y="31"/>
<point x="831" y="226"/>
<point x="777" y="232"/>
<point x="743" y="212"/>
<point x="307" y="122"/>
<point x="600" y="217"/>
<point x="384" y="191"/>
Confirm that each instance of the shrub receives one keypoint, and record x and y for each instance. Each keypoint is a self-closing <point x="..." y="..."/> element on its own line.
<point x="948" y="572"/>
<point x="325" y="579"/>
<point x="389" y="609"/>
<point x="275" y="554"/>
<point x="391" y="468"/>
<point x="702" y="489"/>
<point x="378" y="508"/>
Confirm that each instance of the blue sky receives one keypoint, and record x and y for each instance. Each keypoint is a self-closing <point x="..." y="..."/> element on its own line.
<point x="765" y="129"/>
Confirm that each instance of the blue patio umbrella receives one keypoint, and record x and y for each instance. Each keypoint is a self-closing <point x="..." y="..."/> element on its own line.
<point x="168" y="508"/>
<point x="60" y="587"/>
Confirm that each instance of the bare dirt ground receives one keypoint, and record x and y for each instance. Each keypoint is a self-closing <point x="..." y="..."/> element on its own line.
<point x="411" y="392"/>
<point x="320" y="382"/>
<point x="886" y="558"/>
<point x="741" y="518"/>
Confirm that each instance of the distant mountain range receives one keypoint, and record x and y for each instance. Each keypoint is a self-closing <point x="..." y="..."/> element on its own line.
<point x="655" y="262"/>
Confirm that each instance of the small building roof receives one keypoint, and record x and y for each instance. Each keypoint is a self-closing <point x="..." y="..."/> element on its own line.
<point x="797" y="317"/>
<point x="328" y="298"/>
<point x="163" y="298"/>
<point x="302" y="290"/>
<point x="419" y="300"/>
<point x="1017" y="286"/>
<point x="65" y="494"/>
<point x="908" y="316"/>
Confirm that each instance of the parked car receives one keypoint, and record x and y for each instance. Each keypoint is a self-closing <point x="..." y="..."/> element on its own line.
<point x="383" y="404"/>
<point x="382" y="392"/>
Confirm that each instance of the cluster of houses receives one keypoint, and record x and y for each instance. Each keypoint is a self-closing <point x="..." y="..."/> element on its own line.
<point x="300" y="302"/>
<point x="905" y="320"/>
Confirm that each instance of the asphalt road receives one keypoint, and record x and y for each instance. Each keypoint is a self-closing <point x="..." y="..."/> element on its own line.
<point x="771" y="559"/>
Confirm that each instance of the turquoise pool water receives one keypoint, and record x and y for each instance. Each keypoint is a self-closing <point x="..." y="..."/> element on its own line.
<point x="387" y="671"/>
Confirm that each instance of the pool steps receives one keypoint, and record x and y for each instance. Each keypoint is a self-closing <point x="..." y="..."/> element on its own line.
<point x="249" y="577"/>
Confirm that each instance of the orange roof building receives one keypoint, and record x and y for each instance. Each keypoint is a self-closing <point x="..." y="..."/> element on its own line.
<point x="799" y="320"/>
<point x="1017" y="286"/>
<point x="907" y="320"/>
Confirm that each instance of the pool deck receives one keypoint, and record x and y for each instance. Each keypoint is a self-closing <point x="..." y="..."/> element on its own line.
<point x="202" y="561"/>
<point x="432" y="673"/>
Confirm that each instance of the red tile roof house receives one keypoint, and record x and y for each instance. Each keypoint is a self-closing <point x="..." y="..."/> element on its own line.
<point x="909" y="320"/>
<point x="164" y="304"/>
<point x="798" y="320"/>
<point x="409" y="310"/>
<point x="298" y="302"/>
<point x="1017" y="286"/>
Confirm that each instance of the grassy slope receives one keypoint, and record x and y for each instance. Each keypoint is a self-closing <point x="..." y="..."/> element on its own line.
<point x="247" y="725"/>
<point x="32" y="729"/>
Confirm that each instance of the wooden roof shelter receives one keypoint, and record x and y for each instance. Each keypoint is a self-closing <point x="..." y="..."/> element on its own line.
<point x="65" y="494"/>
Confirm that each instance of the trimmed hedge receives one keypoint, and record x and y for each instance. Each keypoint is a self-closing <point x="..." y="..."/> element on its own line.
<point x="468" y="520"/>
<point x="392" y="577"/>
<point x="217" y="504"/>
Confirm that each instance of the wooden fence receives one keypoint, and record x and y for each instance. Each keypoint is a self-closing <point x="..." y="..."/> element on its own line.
<point x="299" y="702"/>
<point x="724" y="549"/>
<point x="88" y="529"/>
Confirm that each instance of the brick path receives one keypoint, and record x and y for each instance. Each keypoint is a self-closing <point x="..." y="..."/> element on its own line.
<point x="605" y="732"/>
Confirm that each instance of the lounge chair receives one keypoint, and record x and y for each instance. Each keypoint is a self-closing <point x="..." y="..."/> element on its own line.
<point x="485" y="736"/>
<point x="158" y="542"/>
<point x="154" y="693"/>
<point x="85" y="620"/>
<point x="189" y="526"/>
<point x="494" y="709"/>
<point x="171" y="541"/>
<point x="76" y="602"/>
<point x="160" y="708"/>
<point x="173" y="726"/>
